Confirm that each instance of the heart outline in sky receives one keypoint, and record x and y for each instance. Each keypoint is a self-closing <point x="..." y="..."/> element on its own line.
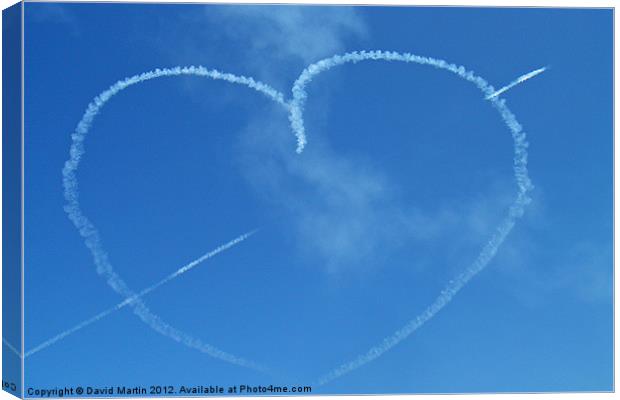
<point x="295" y="108"/>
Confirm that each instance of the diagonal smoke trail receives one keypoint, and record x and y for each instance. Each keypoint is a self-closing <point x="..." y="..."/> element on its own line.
<point x="190" y="265"/>
<point x="490" y="249"/>
<point x="144" y="292"/>
<point x="517" y="81"/>
<point x="12" y="348"/>
<point x="90" y="233"/>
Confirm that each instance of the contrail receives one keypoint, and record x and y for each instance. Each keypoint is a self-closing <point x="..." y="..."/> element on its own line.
<point x="12" y="348"/>
<point x="517" y="81"/>
<point x="90" y="233"/>
<point x="490" y="249"/>
<point x="141" y="294"/>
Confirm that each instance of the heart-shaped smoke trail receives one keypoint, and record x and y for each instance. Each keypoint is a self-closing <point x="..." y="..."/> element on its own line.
<point x="295" y="108"/>
<point x="488" y="251"/>
<point x="91" y="234"/>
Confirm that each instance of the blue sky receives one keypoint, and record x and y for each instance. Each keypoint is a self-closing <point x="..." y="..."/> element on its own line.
<point x="406" y="174"/>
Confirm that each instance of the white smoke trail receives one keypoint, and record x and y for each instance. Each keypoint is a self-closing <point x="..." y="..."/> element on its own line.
<point x="12" y="348"/>
<point x="516" y="209"/>
<point x="189" y="266"/>
<point x="91" y="234"/>
<point x="517" y="81"/>
<point x="144" y="292"/>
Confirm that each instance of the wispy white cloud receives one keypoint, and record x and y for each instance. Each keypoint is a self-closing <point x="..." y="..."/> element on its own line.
<point x="268" y="42"/>
<point x="558" y="266"/>
<point x="340" y="209"/>
<point x="276" y="42"/>
<point x="349" y="217"/>
<point x="581" y="271"/>
<point x="588" y="271"/>
<point x="306" y="33"/>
